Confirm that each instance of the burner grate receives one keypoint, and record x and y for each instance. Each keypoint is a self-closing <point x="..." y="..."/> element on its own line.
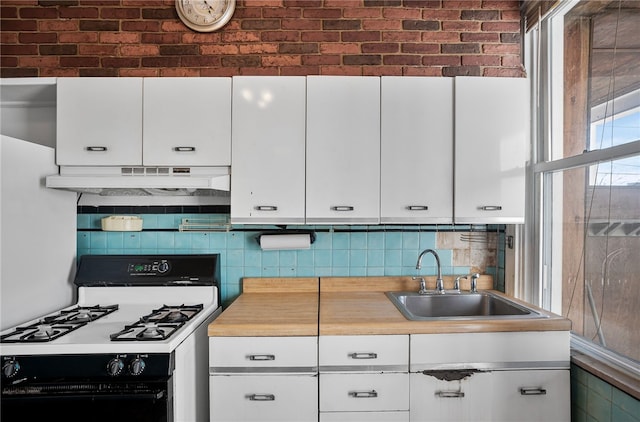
<point x="54" y="326"/>
<point x="160" y="324"/>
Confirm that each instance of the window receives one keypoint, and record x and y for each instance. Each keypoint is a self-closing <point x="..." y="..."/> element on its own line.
<point x="585" y="180"/>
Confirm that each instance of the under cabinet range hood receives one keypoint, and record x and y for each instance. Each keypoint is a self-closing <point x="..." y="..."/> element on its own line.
<point x="142" y="180"/>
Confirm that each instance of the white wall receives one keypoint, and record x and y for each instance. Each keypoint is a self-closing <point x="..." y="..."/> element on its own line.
<point x="38" y="235"/>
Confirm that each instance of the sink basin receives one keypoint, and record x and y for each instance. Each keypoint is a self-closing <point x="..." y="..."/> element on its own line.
<point x="463" y="305"/>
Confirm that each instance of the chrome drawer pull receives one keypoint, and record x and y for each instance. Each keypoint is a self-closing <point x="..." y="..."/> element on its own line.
<point x="533" y="391"/>
<point x="184" y="149"/>
<point x="342" y="208"/>
<point x="417" y="208"/>
<point x="363" y="355"/>
<point x="262" y="357"/>
<point x="261" y="397"/>
<point x="491" y="208"/>
<point x="363" y="394"/>
<point x="96" y="149"/>
<point x="449" y="394"/>
<point x="266" y="208"/>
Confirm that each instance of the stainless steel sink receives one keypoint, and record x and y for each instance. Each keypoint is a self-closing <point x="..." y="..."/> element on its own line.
<point x="483" y="305"/>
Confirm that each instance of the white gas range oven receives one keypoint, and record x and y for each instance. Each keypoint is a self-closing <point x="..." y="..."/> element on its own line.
<point x="134" y="347"/>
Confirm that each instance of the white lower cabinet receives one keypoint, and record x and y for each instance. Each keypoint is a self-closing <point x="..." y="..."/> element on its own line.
<point x="454" y="396"/>
<point x="497" y="396"/>
<point x="364" y="378"/>
<point x="537" y="395"/>
<point x="264" y="398"/>
<point x="263" y="379"/>
<point x="508" y="377"/>
<point x="364" y="392"/>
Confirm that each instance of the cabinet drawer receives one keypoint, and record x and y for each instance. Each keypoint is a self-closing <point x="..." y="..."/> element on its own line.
<point x="263" y="398"/>
<point x="263" y="354"/>
<point x="343" y="353"/>
<point x="364" y="416"/>
<point x="364" y="392"/>
<point x="490" y="350"/>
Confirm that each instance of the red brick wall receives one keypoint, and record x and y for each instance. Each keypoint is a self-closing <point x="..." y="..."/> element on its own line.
<point x="264" y="37"/>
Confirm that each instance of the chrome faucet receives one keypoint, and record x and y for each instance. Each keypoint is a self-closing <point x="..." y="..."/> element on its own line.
<point x="439" y="282"/>
<point x="474" y="282"/>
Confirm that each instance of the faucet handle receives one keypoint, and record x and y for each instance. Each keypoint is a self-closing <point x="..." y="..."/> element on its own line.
<point x="456" y="283"/>
<point x="474" y="282"/>
<point x="423" y="285"/>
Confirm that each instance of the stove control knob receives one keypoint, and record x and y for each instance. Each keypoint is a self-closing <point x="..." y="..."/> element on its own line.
<point x="136" y="366"/>
<point x="10" y="368"/>
<point x="115" y="366"/>
<point x="163" y="267"/>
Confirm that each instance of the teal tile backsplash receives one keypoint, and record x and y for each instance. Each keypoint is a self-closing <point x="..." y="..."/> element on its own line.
<point x="367" y="251"/>
<point x="594" y="400"/>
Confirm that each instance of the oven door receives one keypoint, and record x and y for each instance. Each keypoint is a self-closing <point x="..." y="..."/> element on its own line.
<point x="149" y="400"/>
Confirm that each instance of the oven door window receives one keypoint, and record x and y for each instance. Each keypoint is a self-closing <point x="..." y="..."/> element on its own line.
<point x="95" y="401"/>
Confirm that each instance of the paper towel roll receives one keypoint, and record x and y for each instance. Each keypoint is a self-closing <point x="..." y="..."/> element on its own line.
<point x="285" y="241"/>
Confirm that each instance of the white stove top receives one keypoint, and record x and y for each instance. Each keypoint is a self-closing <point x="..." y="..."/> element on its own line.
<point x="133" y="303"/>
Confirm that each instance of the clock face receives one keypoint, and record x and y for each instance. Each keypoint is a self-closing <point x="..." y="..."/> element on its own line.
<point x="205" y="15"/>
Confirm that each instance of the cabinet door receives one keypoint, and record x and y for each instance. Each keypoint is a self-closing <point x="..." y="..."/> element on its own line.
<point x="357" y="392"/>
<point x="416" y="175"/>
<point x="99" y="122"/>
<point x="491" y="125"/>
<point x="187" y="122"/>
<point x="343" y="150"/>
<point x="268" y="150"/>
<point x="439" y="399"/>
<point x="542" y="395"/>
<point x="263" y="398"/>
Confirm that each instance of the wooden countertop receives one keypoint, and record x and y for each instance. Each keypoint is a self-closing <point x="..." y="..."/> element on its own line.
<point x="352" y="306"/>
<point x="271" y="307"/>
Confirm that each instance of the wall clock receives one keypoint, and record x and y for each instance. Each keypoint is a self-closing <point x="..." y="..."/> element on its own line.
<point x="205" y="15"/>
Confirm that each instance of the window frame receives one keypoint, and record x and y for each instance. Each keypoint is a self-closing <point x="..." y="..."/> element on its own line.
<point x="544" y="61"/>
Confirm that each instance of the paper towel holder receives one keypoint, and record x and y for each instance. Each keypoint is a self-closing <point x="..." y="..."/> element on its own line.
<point x="311" y="233"/>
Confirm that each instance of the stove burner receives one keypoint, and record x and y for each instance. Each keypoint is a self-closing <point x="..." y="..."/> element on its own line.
<point x="43" y="331"/>
<point x="160" y="324"/>
<point x="53" y="326"/>
<point x="151" y="330"/>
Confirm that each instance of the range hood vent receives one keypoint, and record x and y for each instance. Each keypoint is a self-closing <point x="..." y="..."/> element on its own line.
<point x="139" y="180"/>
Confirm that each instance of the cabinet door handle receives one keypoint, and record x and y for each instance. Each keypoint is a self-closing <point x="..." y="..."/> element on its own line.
<point x="491" y="208"/>
<point x="96" y="149"/>
<point x="417" y="207"/>
<point x="261" y="397"/>
<point x="533" y="391"/>
<point x="363" y="394"/>
<point x="449" y="394"/>
<point x="365" y="355"/>
<point x="342" y="208"/>
<point x="266" y="208"/>
<point x="184" y="149"/>
<point x="262" y="357"/>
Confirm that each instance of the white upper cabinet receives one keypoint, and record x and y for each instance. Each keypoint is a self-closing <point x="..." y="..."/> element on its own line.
<point x="343" y="150"/>
<point x="416" y="180"/>
<point x="491" y="122"/>
<point x="187" y="122"/>
<point x="268" y="150"/>
<point x="99" y="121"/>
<point x="144" y="121"/>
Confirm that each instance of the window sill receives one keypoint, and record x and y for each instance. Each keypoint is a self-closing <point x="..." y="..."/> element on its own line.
<point x="620" y="372"/>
